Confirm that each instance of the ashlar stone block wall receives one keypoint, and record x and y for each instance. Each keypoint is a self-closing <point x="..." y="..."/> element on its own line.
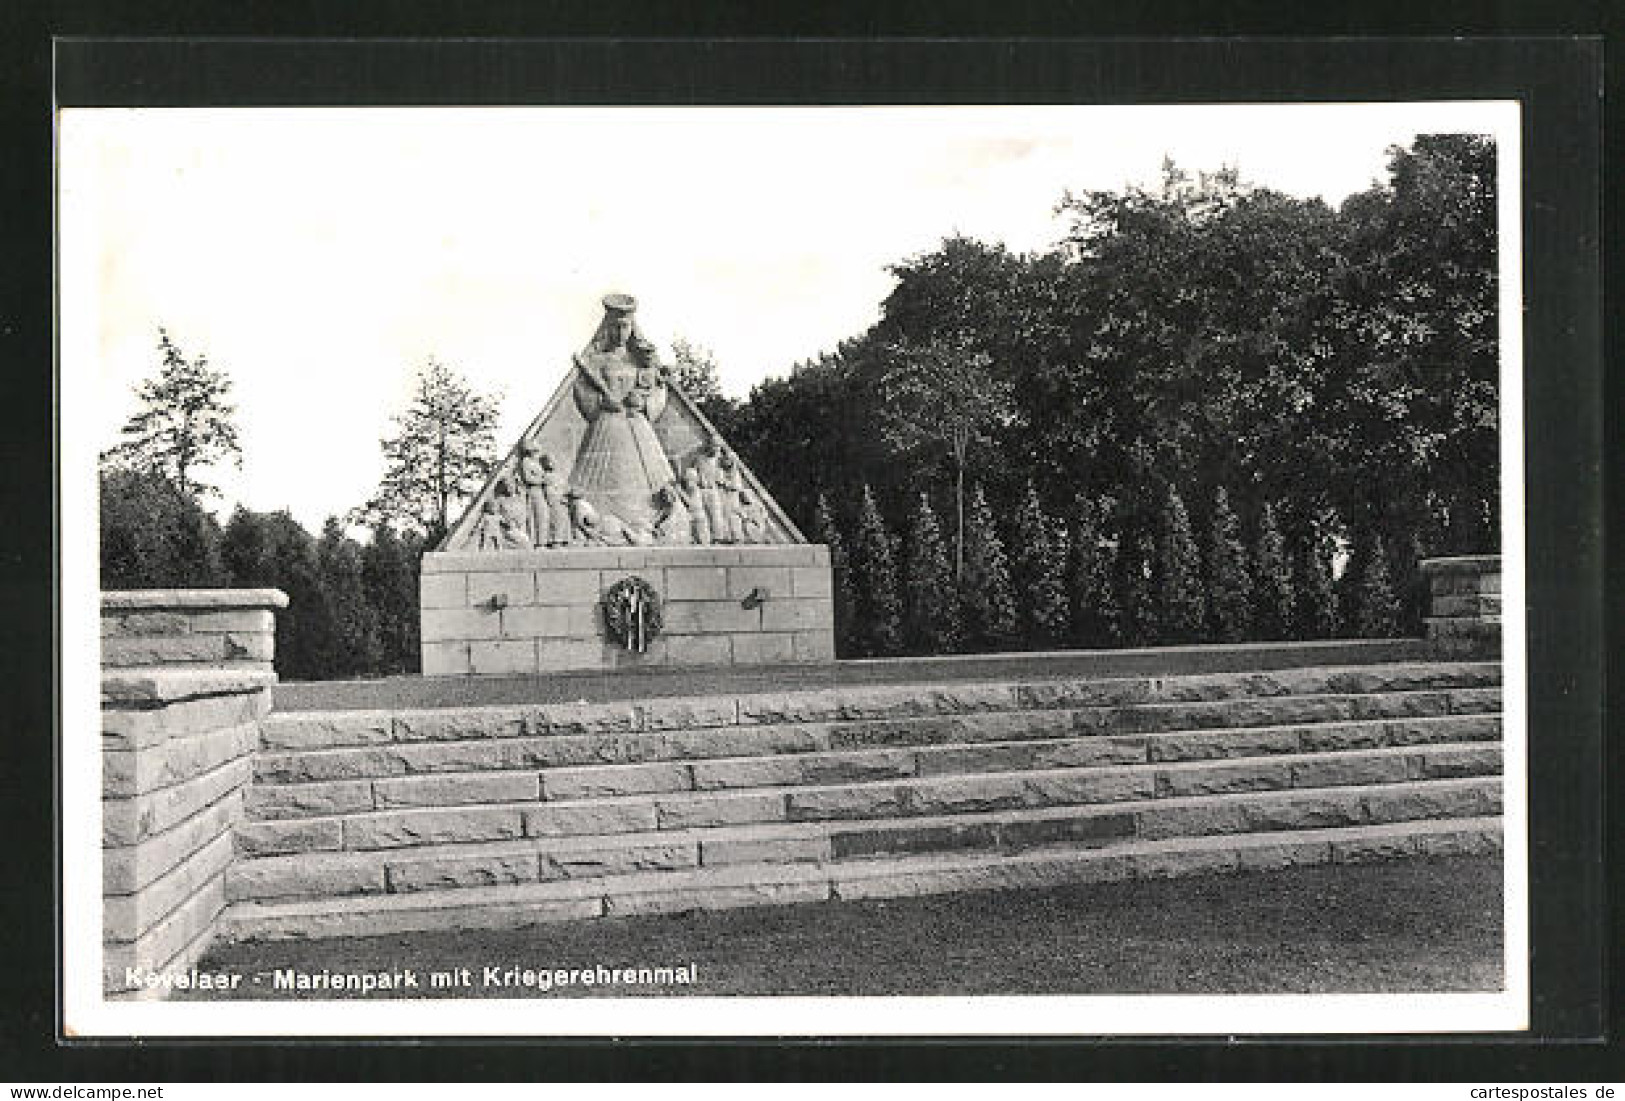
<point x="1464" y="611"/>
<point x="516" y="612"/>
<point x="186" y="683"/>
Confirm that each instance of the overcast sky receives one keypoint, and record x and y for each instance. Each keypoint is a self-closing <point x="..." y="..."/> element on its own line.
<point x="320" y="256"/>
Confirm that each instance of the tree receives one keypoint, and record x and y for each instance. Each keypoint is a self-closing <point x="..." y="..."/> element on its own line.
<point x="155" y="537"/>
<point x="1177" y="575"/>
<point x="442" y="450"/>
<point x="1229" y="590"/>
<point x="931" y="620"/>
<point x="694" y="370"/>
<point x="942" y="393"/>
<point x="1317" y="612"/>
<point x="389" y="580"/>
<point x="351" y="646"/>
<point x="1094" y="616"/>
<point x="1274" y="598"/>
<point x="1039" y="565"/>
<point x="303" y="627"/>
<point x="876" y="627"/>
<point x="185" y="423"/>
<point x="246" y="550"/>
<point x="989" y="604"/>
<point x="1136" y="559"/>
<point x="1376" y="609"/>
<point x="826" y="531"/>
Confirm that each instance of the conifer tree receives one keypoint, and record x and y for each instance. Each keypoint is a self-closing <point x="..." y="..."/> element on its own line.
<point x="876" y="626"/>
<point x="389" y="582"/>
<point x="1177" y="575"/>
<point x="1376" y="609"/>
<point x="1229" y="589"/>
<point x="1088" y="579"/>
<point x="985" y="591"/>
<point x="1317" y="611"/>
<point x="1038" y="571"/>
<point x="1274" y="599"/>
<point x="828" y="532"/>
<point x="351" y="645"/>
<point x="1137" y="603"/>
<point x="931" y="621"/>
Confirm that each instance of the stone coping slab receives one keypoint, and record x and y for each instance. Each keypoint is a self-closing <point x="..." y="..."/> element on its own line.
<point x="414" y="693"/>
<point x="154" y="685"/>
<point x="573" y="558"/>
<point x="200" y="599"/>
<point x="1465" y="563"/>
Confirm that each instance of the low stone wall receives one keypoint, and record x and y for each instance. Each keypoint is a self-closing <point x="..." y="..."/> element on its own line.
<point x="186" y="680"/>
<point x="1464" y="611"/>
<point x="538" y="611"/>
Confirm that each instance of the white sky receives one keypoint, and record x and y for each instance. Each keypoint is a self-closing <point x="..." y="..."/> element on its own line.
<point x="322" y="255"/>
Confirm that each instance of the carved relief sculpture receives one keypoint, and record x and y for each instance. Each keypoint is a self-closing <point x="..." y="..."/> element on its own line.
<point x="694" y="501"/>
<point x="513" y="516"/>
<point x="599" y="466"/>
<point x="708" y="471"/>
<point x="673" y="527"/>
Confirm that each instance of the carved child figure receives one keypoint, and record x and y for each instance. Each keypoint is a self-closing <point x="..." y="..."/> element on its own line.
<point x="488" y="532"/>
<point x="714" y="491"/>
<point x="694" y="500"/>
<point x="549" y="513"/>
<point x="511" y="511"/>
<point x="732" y="483"/>
<point x="672" y="526"/>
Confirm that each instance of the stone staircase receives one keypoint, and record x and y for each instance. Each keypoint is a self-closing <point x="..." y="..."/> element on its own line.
<point x="369" y="822"/>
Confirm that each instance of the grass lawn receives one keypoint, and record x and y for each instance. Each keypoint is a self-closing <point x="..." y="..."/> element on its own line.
<point x="1422" y="925"/>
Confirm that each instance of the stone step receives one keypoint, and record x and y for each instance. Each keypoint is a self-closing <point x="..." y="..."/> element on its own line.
<point x="529" y="860"/>
<point x="520" y="905"/>
<point x="274" y="801"/>
<point x="911" y="797"/>
<point x="299" y="730"/>
<point x="561" y="751"/>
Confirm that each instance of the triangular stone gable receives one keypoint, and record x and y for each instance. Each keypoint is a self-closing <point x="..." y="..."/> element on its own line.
<point x="559" y="430"/>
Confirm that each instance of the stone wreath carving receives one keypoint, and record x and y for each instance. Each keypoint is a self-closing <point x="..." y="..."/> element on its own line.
<point x="632" y="612"/>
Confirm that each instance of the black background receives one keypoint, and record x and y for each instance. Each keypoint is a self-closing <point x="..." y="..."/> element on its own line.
<point x="1060" y="55"/>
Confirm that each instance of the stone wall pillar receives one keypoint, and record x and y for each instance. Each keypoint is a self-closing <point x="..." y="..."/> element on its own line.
<point x="1464" y="610"/>
<point x="186" y="682"/>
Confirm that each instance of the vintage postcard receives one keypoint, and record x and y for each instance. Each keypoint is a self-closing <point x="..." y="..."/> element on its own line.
<point x="864" y="570"/>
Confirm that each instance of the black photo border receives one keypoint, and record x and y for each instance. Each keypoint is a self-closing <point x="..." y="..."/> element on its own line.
<point x="1557" y="79"/>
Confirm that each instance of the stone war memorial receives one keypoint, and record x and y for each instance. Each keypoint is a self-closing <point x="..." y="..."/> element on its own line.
<point x="622" y="531"/>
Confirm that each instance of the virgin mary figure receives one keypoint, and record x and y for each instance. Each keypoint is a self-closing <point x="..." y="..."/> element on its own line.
<point x="620" y="388"/>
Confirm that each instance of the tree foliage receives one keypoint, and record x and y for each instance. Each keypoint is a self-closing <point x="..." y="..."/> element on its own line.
<point x="941" y="396"/>
<point x="826" y="530"/>
<point x="1178" y="575"/>
<point x="986" y="596"/>
<point x="931" y="617"/>
<point x="1038" y="569"/>
<point x="1229" y="589"/>
<point x="153" y="536"/>
<point x="694" y="370"/>
<point x="874" y="569"/>
<point x="440" y="453"/>
<point x="1094" y="612"/>
<point x="1274" y="598"/>
<point x="186" y="423"/>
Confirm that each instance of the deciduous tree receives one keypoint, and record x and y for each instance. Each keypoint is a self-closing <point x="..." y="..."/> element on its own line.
<point x="186" y="423"/>
<point x="440" y="453"/>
